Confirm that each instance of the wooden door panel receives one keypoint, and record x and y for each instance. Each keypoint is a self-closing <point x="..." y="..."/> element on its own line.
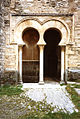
<point x="30" y="71"/>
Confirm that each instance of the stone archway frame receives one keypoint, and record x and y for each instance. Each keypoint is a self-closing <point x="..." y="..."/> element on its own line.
<point x="18" y="40"/>
<point x="16" y="31"/>
<point x="41" y="28"/>
<point x="61" y="26"/>
<point x="65" y="39"/>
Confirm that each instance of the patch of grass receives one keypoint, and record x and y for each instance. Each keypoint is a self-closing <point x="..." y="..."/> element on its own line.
<point x="37" y="110"/>
<point x="63" y="84"/>
<point x="57" y="115"/>
<point x="74" y="96"/>
<point x="76" y="85"/>
<point x="10" y="90"/>
<point x="62" y="115"/>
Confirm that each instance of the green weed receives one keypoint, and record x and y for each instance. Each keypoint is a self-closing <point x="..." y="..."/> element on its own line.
<point x="10" y="90"/>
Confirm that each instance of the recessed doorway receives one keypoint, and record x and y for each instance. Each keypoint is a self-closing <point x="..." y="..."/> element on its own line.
<point x="30" y="56"/>
<point x="52" y="55"/>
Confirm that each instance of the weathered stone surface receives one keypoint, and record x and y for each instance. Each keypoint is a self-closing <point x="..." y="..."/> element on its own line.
<point x="2" y="40"/>
<point x="73" y="74"/>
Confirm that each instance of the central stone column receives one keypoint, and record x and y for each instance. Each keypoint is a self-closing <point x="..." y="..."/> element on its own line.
<point x="41" y="74"/>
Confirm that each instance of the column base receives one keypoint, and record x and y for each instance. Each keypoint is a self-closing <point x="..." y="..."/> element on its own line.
<point x="62" y="82"/>
<point x="41" y="83"/>
<point x="20" y="82"/>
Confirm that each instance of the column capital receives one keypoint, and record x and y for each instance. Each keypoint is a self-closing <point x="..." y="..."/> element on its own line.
<point x="41" y="43"/>
<point x="21" y="44"/>
<point x="20" y="48"/>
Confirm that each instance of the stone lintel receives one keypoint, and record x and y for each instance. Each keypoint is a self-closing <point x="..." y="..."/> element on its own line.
<point x="43" y="14"/>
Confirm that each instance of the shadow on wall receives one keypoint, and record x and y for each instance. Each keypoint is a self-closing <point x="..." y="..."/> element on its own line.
<point x="73" y="74"/>
<point x="9" y="77"/>
<point x="12" y="77"/>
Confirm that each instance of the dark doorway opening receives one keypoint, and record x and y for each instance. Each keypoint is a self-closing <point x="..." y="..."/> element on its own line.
<point x="30" y="56"/>
<point x="52" y="55"/>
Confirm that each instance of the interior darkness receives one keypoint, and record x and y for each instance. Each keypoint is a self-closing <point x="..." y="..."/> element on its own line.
<point x="30" y="36"/>
<point x="52" y="38"/>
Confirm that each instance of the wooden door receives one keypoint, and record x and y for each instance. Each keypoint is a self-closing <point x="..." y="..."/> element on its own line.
<point x="30" y="56"/>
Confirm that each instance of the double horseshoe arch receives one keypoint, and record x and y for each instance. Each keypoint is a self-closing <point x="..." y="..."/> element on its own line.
<point x="58" y="24"/>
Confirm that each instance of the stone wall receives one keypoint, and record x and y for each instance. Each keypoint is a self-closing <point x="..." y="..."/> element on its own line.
<point x="2" y="40"/>
<point x="23" y="7"/>
<point x="47" y="6"/>
<point x="7" y="75"/>
<point x="74" y="51"/>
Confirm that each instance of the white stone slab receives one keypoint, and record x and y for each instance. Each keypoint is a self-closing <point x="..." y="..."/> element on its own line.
<point x="55" y="94"/>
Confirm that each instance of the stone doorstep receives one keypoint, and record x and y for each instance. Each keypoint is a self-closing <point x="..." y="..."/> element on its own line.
<point x="77" y="90"/>
<point x="37" y="85"/>
<point x="46" y="84"/>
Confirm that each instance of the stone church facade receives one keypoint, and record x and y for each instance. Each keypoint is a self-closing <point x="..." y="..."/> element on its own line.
<point x="39" y="40"/>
